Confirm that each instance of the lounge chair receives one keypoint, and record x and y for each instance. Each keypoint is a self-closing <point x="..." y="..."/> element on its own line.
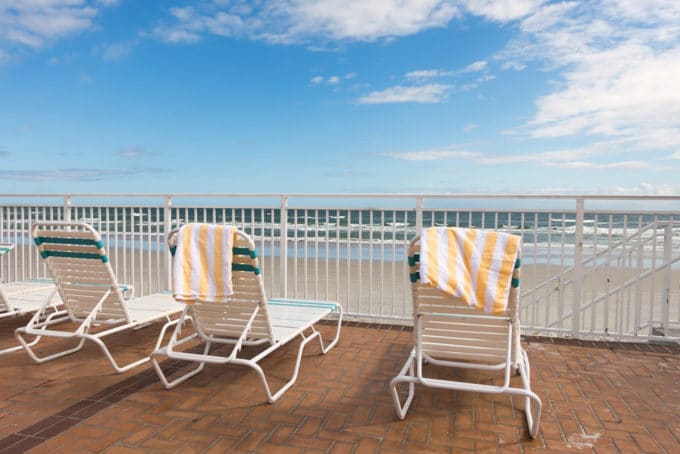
<point x="92" y="297"/>
<point x="25" y="297"/>
<point x="246" y="318"/>
<point x="451" y="333"/>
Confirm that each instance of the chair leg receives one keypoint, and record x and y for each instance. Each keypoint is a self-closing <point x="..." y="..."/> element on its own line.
<point x="16" y="348"/>
<point x="163" y="378"/>
<point x="158" y="351"/>
<point x="271" y="398"/>
<point x="532" y="412"/>
<point x="109" y="357"/>
<point x="42" y="359"/>
<point x="403" y="377"/>
<point x="326" y="349"/>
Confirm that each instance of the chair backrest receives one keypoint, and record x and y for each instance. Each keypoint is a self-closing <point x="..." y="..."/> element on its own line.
<point x="80" y="267"/>
<point x="451" y="329"/>
<point x="4" y="302"/>
<point x="229" y="319"/>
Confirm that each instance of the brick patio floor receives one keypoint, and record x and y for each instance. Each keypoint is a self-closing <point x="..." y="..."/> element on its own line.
<point x="597" y="397"/>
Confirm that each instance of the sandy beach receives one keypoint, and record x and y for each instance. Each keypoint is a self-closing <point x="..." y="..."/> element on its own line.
<point x="380" y="290"/>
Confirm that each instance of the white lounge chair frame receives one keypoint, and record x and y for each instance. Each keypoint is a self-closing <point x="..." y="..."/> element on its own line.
<point x="247" y="319"/>
<point x="92" y="297"/>
<point x="450" y="333"/>
<point x="24" y="297"/>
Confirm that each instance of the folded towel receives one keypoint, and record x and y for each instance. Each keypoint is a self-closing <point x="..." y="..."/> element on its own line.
<point x="202" y="263"/>
<point x="472" y="265"/>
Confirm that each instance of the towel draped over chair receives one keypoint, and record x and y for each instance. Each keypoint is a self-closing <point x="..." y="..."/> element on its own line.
<point x="475" y="266"/>
<point x="203" y="263"/>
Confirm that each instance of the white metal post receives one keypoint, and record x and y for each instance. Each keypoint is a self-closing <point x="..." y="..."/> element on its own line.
<point x="284" y="247"/>
<point x="67" y="208"/>
<point x="667" y="246"/>
<point x="578" y="270"/>
<point x="419" y="215"/>
<point x="167" y="225"/>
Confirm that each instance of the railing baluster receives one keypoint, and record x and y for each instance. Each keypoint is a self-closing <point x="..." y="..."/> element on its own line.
<point x="578" y="270"/>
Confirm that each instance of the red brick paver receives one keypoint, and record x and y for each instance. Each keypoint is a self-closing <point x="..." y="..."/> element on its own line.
<point x="597" y="397"/>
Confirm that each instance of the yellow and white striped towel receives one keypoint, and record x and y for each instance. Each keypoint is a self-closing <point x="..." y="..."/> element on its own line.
<point x="202" y="263"/>
<point x="472" y="265"/>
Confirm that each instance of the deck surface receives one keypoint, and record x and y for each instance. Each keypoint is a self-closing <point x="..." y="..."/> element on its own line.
<point x="598" y="397"/>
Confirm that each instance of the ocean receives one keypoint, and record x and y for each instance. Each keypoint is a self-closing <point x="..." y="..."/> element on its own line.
<point x="548" y="236"/>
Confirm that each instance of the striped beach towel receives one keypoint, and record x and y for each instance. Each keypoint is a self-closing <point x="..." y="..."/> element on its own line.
<point x="202" y="263"/>
<point x="472" y="265"/>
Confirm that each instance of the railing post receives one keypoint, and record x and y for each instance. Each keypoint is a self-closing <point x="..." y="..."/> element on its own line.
<point x="167" y="225"/>
<point x="284" y="247"/>
<point x="419" y="214"/>
<point x="578" y="270"/>
<point x="67" y="208"/>
<point x="667" y="246"/>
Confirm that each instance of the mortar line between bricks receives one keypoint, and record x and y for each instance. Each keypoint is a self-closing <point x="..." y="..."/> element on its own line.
<point x="61" y="421"/>
<point x="108" y="396"/>
<point x="67" y="418"/>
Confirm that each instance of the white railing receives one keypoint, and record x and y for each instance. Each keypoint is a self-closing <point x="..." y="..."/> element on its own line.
<point x="590" y="268"/>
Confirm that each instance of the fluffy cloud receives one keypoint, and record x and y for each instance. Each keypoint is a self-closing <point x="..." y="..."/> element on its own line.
<point x="35" y="23"/>
<point x="501" y="10"/>
<point x="420" y="91"/>
<point x="331" y="80"/>
<point x="599" y="155"/>
<point x="431" y="93"/>
<point x="618" y="63"/>
<point x="432" y="155"/>
<point x="296" y="21"/>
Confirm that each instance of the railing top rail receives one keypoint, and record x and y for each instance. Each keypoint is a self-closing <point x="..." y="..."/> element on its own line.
<point x="368" y="195"/>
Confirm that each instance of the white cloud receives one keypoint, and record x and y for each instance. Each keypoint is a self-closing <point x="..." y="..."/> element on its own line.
<point x="476" y="66"/>
<point x="432" y="93"/>
<point x="646" y="189"/>
<point x="117" y="51"/>
<point x="618" y="63"/>
<point x="600" y="155"/>
<point x="470" y="127"/>
<point x="431" y="155"/>
<point x="297" y="21"/>
<point x="424" y="74"/>
<point x="35" y="23"/>
<point x="502" y="10"/>
<point x="301" y="21"/>
<point x="350" y="76"/>
<point x="330" y="80"/>
<point x="353" y="19"/>
<point x="631" y="165"/>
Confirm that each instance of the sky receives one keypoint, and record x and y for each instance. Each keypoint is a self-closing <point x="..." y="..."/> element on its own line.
<point x="340" y="96"/>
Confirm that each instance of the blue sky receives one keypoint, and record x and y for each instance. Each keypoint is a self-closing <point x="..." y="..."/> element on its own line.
<point x="349" y="96"/>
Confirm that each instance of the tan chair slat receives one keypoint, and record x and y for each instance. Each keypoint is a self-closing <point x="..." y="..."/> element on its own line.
<point x="65" y="234"/>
